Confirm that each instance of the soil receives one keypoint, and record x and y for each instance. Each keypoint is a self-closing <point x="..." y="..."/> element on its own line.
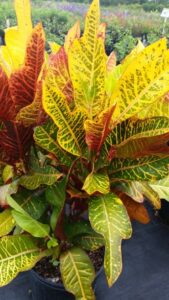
<point x="47" y="270"/>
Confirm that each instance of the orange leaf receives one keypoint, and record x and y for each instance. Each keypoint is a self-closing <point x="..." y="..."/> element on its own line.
<point x="73" y="33"/>
<point x="59" y="66"/>
<point x="135" y="210"/>
<point x="24" y="81"/>
<point x="102" y="31"/>
<point x="97" y="132"/>
<point x="111" y="63"/>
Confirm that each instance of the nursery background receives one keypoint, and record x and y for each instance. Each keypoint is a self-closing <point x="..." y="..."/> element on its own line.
<point x="127" y="20"/>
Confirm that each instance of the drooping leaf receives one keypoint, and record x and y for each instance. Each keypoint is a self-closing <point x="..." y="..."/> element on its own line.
<point x="26" y="222"/>
<point x="7" y="108"/>
<point x="136" y="211"/>
<point x="151" y="195"/>
<point x="33" y="114"/>
<point x="77" y="273"/>
<point x="87" y="65"/>
<point x="143" y="82"/>
<point x="70" y="135"/>
<point x="59" y="67"/>
<point x="7" y="222"/>
<point x="23" y="82"/>
<point x="148" y="168"/>
<point x="109" y="218"/>
<point x="73" y="33"/>
<point x="47" y="176"/>
<point x="17" y="254"/>
<point x="46" y="137"/>
<point x="161" y="187"/>
<point x="97" y="182"/>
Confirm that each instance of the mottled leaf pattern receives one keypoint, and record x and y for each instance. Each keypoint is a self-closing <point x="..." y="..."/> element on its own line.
<point x="77" y="273"/>
<point x="143" y="169"/>
<point x="97" y="182"/>
<point x="109" y="218"/>
<point x="46" y="137"/>
<point x="138" y="87"/>
<point x="46" y="176"/>
<point x="17" y="254"/>
<point x="87" y="65"/>
<point x="70" y="135"/>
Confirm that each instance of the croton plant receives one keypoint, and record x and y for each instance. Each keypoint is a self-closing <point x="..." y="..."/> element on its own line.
<point x="83" y="142"/>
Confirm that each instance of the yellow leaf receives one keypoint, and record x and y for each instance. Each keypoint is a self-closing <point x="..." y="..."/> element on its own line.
<point x="143" y="82"/>
<point x="73" y="33"/>
<point x="54" y="47"/>
<point x="87" y="64"/>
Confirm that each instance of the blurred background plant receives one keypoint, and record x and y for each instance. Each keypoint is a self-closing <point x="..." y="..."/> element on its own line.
<point x="127" y="21"/>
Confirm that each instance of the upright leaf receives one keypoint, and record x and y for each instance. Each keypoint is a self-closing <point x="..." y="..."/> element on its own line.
<point x="109" y="218"/>
<point x="87" y="65"/>
<point x="77" y="273"/>
<point x="58" y="64"/>
<point x="7" y="108"/>
<point x="70" y="135"/>
<point x="73" y="33"/>
<point x="23" y="82"/>
<point x="143" y="82"/>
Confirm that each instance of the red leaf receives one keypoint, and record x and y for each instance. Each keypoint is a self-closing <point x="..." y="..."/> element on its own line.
<point x="24" y="81"/>
<point x="15" y="142"/>
<point x="59" y="66"/>
<point x="97" y="132"/>
<point x="7" y="108"/>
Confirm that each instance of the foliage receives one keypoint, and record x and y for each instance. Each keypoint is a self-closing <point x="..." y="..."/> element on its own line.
<point x="100" y="145"/>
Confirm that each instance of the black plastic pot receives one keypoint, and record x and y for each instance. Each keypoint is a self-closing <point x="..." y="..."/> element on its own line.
<point x="45" y="290"/>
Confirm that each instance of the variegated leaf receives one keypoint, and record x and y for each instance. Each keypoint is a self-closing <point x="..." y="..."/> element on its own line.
<point x="43" y="176"/>
<point x="58" y="65"/>
<point x="33" y="114"/>
<point x="77" y="273"/>
<point x="97" y="182"/>
<point x="7" y="107"/>
<point x="73" y="33"/>
<point x="23" y="82"/>
<point x="89" y="242"/>
<point x="109" y="218"/>
<point x="70" y="135"/>
<point x="46" y="137"/>
<point x="87" y="65"/>
<point x="18" y="253"/>
<point x="7" y="222"/>
<point x="148" y="168"/>
<point x="143" y="82"/>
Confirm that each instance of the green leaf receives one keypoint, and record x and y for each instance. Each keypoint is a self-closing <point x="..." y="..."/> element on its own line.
<point x="8" y="189"/>
<point x="89" y="242"/>
<point x="77" y="273"/>
<point x="97" y="182"/>
<point x="148" y="168"/>
<point x="34" y="203"/>
<point x="46" y="137"/>
<point x="56" y="195"/>
<point x="109" y="218"/>
<point x="161" y="187"/>
<point x="7" y="222"/>
<point x="17" y="254"/>
<point x="26" y="222"/>
<point x="46" y="176"/>
<point x="76" y="228"/>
